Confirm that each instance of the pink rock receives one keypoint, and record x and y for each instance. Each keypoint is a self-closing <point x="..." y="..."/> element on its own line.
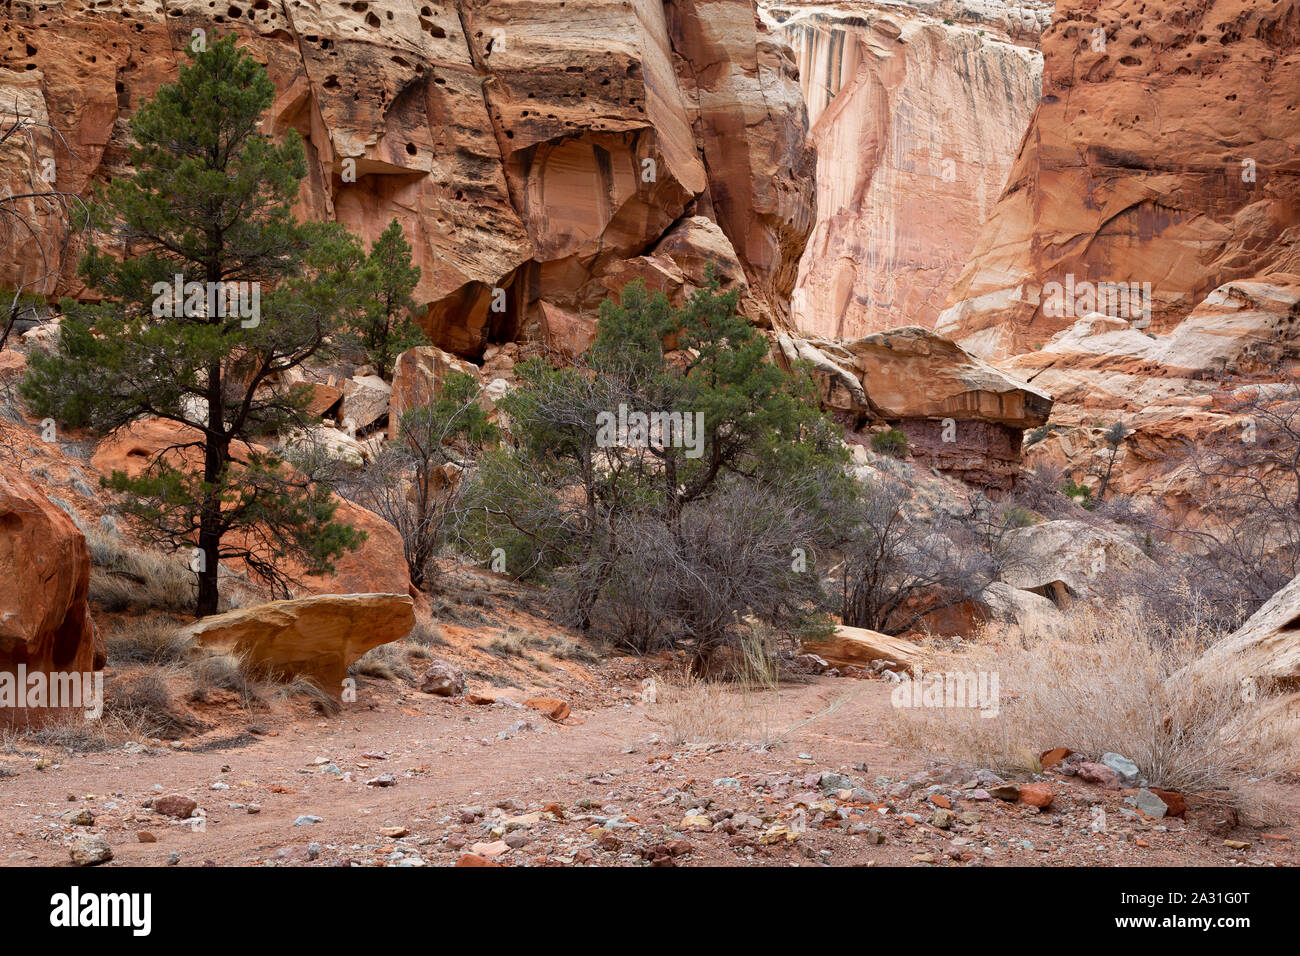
<point x="442" y="679"/>
<point x="1099" y="774"/>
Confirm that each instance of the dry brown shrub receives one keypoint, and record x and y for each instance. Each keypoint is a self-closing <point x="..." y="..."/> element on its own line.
<point x="1111" y="682"/>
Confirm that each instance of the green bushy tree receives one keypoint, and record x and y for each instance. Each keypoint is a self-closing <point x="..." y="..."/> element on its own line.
<point x="209" y="206"/>
<point x="385" y="327"/>
<point x="576" y="493"/>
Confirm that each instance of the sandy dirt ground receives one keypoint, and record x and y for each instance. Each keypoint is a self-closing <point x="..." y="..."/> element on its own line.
<point x="605" y="787"/>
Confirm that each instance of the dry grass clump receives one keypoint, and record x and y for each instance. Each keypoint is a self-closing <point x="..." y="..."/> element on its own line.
<point x="308" y="690"/>
<point x="427" y="635"/>
<point x="75" y="734"/>
<point x="146" y="641"/>
<point x="142" y="699"/>
<point x="695" y="711"/>
<point x="124" y="578"/>
<point x="386" y="662"/>
<point x="737" y="710"/>
<point x="559" y="646"/>
<point x="737" y="703"/>
<point x="1111" y="682"/>
<point x="224" y="670"/>
<point x="512" y="643"/>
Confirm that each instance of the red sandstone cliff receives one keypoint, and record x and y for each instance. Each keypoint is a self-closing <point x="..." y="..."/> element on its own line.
<point x="550" y="151"/>
<point x="1166" y="150"/>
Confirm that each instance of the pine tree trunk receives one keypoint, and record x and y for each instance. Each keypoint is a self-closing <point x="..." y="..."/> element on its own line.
<point x="208" y="596"/>
<point x="216" y="453"/>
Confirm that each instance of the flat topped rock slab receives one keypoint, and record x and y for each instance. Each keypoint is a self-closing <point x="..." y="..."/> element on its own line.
<point x="313" y="637"/>
<point x="912" y="372"/>
<point x="858" y="647"/>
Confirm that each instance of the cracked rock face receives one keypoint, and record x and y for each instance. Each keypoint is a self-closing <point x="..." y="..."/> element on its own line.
<point x="530" y="152"/>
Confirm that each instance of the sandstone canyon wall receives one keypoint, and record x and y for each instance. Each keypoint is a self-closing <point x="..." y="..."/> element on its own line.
<point x="916" y="113"/>
<point x="1164" y="156"/>
<point x="538" y="155"/>
<point x="1166" y="150"/>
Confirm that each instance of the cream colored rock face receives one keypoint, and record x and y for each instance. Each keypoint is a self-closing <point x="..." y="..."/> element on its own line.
<point x="916" y="122"/>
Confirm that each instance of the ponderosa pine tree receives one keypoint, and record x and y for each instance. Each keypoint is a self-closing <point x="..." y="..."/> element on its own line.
<point x="216" y="291"/>
<point x="386" y="328"/>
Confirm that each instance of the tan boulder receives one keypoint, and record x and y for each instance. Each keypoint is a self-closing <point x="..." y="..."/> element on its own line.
<point x="1267" y="646"/>
<point x="1024" y="609"/>
<point x="45" y="623"/>
<point x="365" y="401"/>
<point x="552" y="707"/>
<point x="1067" y="559"/>
<point x="859" y="647"/>
<point x="321" y="397"/>
<point x="677" y="266"/>
<point x="317" y="638"/>
<point x="566" y="333"/>
<point x="443" y="680"/>
<point x="331" y="442"/>
<point x="418" y="375"/>
<point x="912" y="373"/>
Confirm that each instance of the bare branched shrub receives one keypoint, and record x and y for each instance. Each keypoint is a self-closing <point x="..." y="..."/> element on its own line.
<point x="416" y="481"/>
<point x="1039" y="491"/>
<point x="909" y="558"/>
<point x="1103" y="684"/>
<point x="1246" y="539"/>
<point x="733" y="556"/>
